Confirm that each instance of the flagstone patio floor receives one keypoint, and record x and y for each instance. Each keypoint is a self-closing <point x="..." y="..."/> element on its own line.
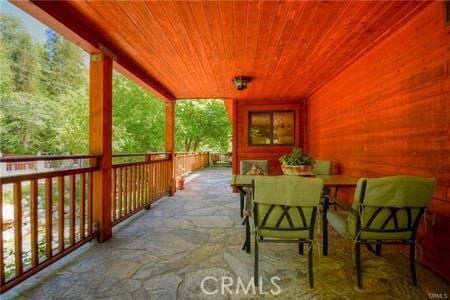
<point x="166" y="252"/>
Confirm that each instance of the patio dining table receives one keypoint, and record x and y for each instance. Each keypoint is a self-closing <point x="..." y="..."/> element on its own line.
<point x="244" y="185"/>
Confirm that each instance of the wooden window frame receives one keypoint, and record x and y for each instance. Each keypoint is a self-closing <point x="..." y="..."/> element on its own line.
<point x="271" y="112"/>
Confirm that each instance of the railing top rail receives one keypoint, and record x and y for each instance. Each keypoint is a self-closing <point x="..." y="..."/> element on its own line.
<point x="26" y="158"/>
<point x="190" y="153"/>
<point x="138" y="163"/>
<point x="41" y="175"/>
<point x="139" y="154"/>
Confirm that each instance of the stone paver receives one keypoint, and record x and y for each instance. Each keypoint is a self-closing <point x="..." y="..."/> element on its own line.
<point x="167" y="252"/>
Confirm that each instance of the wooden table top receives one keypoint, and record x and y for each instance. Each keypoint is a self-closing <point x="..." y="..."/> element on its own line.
<point x="328" y="180"/>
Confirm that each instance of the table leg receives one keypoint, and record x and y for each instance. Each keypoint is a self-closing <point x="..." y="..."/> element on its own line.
<point x="247" y="235"/>
<point x="325" y="227"/>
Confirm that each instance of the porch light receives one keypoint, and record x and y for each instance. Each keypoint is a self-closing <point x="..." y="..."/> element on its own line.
<point x="241" y="82"/>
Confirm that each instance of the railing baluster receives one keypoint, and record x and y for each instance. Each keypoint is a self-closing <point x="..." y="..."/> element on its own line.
<point x="141" y="186"/>
<point x="144" y="183"/>
<point x="72" y="197"/>
<point x="34" y="222"/>
<point x="17" y="191"/>
<point x="82" y="205"/>
<point x="114" y="194"/>
<point x="119" y="201"/>
<point x="89" y="204"/>
<point x="152" y="179"/>
<point x="2" y="257"/>
<point x="48" y="217"/>
<point x="130" y="189"/>
<point x="136" y="187"/>
<point x="61" y="220"/>
<point x="125" y="194"/>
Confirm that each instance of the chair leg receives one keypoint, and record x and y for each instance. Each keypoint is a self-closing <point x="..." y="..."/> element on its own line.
<point x="242" y="204"/>
<point x="412" y="263"/>
<point x="325" y="232"/>
<point x="358" y="264"/>
<point x="378" y="248"/>
<point x="300" y="247"/>
<point x="310" y="266"/>
<point x="255" y="275"/>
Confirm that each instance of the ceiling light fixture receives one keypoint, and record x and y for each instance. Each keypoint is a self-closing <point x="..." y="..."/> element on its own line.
<point x="241" y="82"/>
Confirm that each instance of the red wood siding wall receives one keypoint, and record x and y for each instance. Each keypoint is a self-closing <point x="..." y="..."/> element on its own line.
<point x="389" y="113"/>
<point x="246" y="152"/>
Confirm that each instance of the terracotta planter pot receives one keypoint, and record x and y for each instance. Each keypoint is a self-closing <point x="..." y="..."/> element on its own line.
<point x="180" y="183"/>
<point x="297" y="170"/>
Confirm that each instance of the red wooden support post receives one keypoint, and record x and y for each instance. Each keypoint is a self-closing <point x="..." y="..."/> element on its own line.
<point x="100" y="140"/>
<point x="170" y="141"/>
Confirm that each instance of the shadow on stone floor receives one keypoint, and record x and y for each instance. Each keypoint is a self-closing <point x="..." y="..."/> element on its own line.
<point x="166" y="252"/>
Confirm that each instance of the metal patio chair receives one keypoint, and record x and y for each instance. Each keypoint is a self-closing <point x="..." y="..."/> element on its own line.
<point x="385" y="211"/>
<point x="284" y="211"/>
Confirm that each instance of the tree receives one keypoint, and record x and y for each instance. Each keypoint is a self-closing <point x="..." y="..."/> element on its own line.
<point x="44" y="103"/>
<point x="63" y="66"/>
<point x="44" y="99"/>
<point x="202" y="125"/>
<point x="19" y="50"/>
<point x="138" y="118"/>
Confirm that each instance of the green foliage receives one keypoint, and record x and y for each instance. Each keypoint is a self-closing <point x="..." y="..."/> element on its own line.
<point x="19" y="50"/>
<point x="296" y="158"/>
<point x="202" y="125"/>
<point x="44" y="103"/>
<point x="62" y="66"/>
<point x="138" y="118"/>
<point x="44" y="93"/>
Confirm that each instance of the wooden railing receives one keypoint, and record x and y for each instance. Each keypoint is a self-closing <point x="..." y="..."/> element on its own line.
<point x="135" y="185"/>
<point x="220" y="159"/>
<point x="51" y="211"/>
<point x="52" y="215"/>
<point x="186" y="162"/>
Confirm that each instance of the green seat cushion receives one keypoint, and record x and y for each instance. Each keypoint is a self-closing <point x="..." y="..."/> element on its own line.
<point x="338" y="220"/>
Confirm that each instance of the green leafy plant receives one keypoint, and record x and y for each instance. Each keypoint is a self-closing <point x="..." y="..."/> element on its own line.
<point x="296" y="158"/>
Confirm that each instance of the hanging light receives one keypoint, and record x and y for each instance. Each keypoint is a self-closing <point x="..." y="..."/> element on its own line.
<point x="241" y="82"/>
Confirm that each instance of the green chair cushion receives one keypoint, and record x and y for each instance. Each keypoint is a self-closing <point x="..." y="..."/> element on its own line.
<point x="384" y="194"/>
<point x="322" y="167"/>
<point x="288" y="191"/>
<point x="399" y="191"/>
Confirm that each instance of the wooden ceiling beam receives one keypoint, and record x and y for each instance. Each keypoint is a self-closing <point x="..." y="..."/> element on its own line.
<point x="64" y="20"/>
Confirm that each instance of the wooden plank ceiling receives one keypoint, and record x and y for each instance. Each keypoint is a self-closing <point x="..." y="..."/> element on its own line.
<point x="289" y="49"/>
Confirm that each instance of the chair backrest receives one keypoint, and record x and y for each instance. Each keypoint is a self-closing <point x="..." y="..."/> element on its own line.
<point x="246" y="165"/>
<point x="391" y="207"/>
<point x="286" y="203"/>
<point x="322" y="167"/>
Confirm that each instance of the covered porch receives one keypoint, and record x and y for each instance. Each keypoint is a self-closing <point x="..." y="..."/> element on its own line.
<point x="363" y="85"/>
<point x="166" y="252"/>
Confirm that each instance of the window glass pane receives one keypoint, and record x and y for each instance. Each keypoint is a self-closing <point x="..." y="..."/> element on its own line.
<point x="283" y="127"/>
<point x="260" y="128"/>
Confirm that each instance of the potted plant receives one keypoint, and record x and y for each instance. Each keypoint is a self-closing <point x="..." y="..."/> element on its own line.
<point x="297" y="163"/>
<point x="180" y="182"/>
